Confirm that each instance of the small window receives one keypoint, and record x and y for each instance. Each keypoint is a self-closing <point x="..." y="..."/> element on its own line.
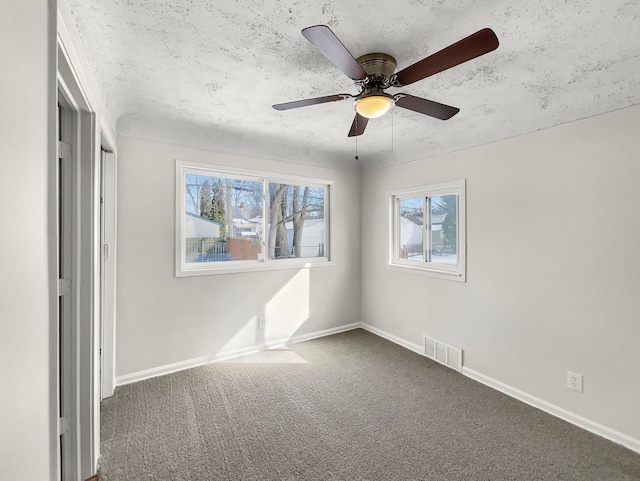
<point x="238" y="221"/>
<point x="427" y="229"/>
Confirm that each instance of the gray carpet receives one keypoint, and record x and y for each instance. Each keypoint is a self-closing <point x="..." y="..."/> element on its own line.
<point x="351" y="406"/>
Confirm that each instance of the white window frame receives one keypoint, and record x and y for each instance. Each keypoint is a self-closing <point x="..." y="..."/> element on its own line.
<point x="185" y="269"/>
<point x="456" y="273"/>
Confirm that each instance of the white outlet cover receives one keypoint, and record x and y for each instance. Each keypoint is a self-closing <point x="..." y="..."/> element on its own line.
<point x="574" y="381"/>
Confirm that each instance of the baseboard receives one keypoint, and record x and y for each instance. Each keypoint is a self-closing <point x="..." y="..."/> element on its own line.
<point x="584" y="423"/>
<point x="226" y="355"/>
<point x="395" y="339"/>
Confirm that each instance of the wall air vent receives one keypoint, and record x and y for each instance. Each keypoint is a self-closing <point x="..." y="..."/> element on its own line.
<point x="443" y="353"/>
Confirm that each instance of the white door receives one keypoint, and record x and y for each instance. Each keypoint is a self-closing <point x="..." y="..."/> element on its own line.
<point x="107" y="272"/>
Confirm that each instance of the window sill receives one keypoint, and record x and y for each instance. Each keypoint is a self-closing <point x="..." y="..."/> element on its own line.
<point x="238" y="268"/>
<point x="428" y="271"/>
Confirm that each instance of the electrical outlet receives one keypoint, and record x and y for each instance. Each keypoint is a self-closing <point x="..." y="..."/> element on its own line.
<point x="574" y="381"/>
<point x="261" y="322"/>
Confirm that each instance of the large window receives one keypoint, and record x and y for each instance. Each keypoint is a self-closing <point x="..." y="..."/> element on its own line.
<point x="427" y="229"/>
<point x="241" y="220"/>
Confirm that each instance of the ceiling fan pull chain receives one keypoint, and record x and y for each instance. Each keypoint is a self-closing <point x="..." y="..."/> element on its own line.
<point x="392" y="117"/>
<point x="356" y="157"/>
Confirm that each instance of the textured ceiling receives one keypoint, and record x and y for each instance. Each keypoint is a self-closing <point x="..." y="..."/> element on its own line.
<point x="206" y="73"/>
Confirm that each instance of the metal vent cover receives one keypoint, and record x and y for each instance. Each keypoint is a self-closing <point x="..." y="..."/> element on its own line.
<point x="442" y="352"/>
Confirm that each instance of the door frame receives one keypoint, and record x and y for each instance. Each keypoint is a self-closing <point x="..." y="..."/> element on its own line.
<point x="94" y="130"/>
<point x="91" y="132"/>
<point x="81" y="449"/>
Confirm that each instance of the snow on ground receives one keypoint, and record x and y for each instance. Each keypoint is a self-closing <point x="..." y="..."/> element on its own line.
<point x="449" y="259"/>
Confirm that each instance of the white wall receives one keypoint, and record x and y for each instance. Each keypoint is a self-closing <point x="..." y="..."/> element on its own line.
<point x="552" y="265"/>
<point x="26" y="93"/>
<point x="164" y="320"/>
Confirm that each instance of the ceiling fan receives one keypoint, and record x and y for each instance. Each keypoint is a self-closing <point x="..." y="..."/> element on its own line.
<point x="373" y="73"/>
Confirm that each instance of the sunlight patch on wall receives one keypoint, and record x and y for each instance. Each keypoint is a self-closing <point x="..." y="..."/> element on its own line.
<point x="288" y="309"/>
<point x="284" y="313"/>
<point x="246" y="336"/>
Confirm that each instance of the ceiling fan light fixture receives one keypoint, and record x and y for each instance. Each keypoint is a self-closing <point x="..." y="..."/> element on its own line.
<point x="374" y="105"/>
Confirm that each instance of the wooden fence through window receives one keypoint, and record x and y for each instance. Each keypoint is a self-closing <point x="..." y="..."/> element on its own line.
<point x="240" y="249"/>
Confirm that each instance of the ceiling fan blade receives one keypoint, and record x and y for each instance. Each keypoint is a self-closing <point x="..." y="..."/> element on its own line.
<point x="479" y="43"/>
<point x="427" y="107"/>
<point x="318" y="100"/>
<point x="326" y="41"/>
<point x="358" y="125"/>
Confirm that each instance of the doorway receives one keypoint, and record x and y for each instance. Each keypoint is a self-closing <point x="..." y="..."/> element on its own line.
<point x="84" y="266"/>
<point x="77" y="210"/>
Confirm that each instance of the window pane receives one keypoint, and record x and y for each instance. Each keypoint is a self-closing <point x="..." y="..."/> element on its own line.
<point x="411" y="229"/>
<point x="223" y="220"/>
<point x="296" y="221"/>
<point x="444" y="229"/>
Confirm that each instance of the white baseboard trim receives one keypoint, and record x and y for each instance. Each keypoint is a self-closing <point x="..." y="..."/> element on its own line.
<point x="584" y="423"/>
<point x="226" y="355"/>
<point x="390" y="337"/>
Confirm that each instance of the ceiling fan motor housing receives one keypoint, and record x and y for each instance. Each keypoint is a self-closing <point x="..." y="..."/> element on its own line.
<point x="378" y="64"/>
